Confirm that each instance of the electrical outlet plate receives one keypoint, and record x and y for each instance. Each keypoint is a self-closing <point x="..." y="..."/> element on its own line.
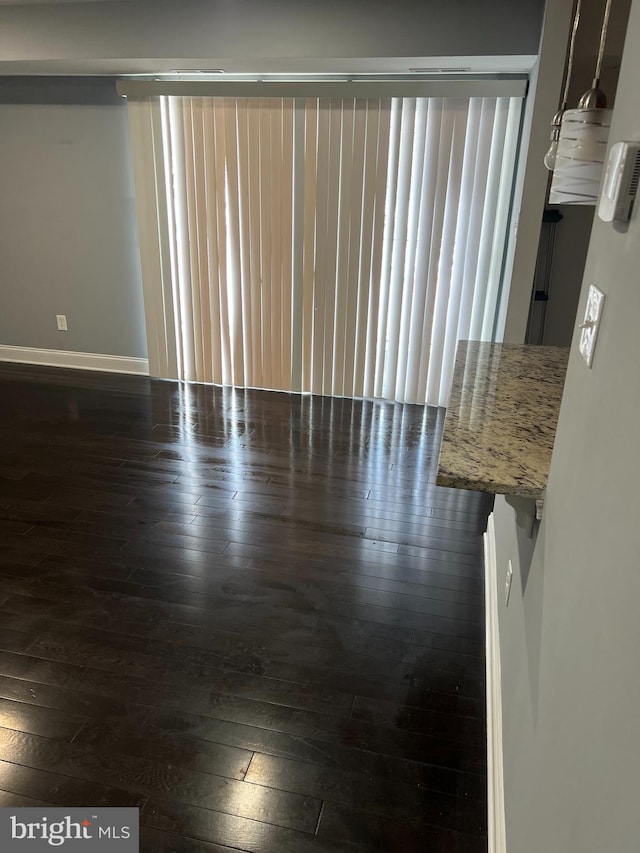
<point x="507" y="584"/>
<point x="589" y="327"/>
<point x="61" y="321"/>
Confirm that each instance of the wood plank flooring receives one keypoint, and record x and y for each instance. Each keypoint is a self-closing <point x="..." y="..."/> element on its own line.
<point x="252" y="615"/>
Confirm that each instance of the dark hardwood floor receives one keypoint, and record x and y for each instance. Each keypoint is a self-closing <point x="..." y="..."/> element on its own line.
<point x="252" y="615"/>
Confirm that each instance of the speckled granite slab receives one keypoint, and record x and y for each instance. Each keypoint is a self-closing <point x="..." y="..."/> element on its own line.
<point x="502" y="417"/>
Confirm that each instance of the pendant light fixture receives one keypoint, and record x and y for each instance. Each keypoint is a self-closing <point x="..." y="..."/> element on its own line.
<point x="583" y="137"/>
<point x="550" y="156"/>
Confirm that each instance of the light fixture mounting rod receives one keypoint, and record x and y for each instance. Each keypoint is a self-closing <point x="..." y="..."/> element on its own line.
<point x="572" y="45"/>
<point x="603" y="39"/>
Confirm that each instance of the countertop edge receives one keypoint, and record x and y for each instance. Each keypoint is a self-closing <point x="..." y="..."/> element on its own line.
<point x="505" y="399"/>
<point x="493" y="488"/>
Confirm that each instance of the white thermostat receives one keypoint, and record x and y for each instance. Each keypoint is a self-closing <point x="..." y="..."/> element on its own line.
<point x="620" y="183"/>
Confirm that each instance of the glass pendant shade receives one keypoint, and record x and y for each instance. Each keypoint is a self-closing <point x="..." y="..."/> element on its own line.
<point x="550" y="156"/>
<point x="577" y="151"/>
<point x="580" y="156"/>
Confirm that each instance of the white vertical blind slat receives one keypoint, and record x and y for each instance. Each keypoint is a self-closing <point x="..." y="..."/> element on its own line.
<point x="167" y="338"/>
<point x="333" y="203"/>
<point x="431" y="209"/>
<point x="377" y="345"/>
<point x="310" y="230"/>
<point x="378" y="268"/>
<point x="345" y="211"/>
<point x="167" y="254"/>
<point x="253" y="205"/>
<point x="234" y="279"/>
<point x="201" y="200"/>
<point x="321" y="246"/>
<point x="369" y="116"/>
<point x="275" y="127"/>
<point x="219" y="155"/>
<point x="298" y="177"/>
<point x="265" y="241"/>
<point x="181" y="214"/>
<point x="246" y="340"/>
<point x="214" y="368"/>
<point x="353" y="287"/>
<point x="193" y="271"/>
<point x="399" y="248"/>
<point x="409" y="283"/>
<point x="287" y="240"/>
<point x="198" y="227"/>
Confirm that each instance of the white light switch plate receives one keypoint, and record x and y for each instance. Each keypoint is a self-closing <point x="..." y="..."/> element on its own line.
<point x="589" y="327"/>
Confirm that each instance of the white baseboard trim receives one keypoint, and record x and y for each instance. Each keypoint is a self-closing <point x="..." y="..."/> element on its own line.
<point x="76" y="360"/>
<point x="495" y="767"/>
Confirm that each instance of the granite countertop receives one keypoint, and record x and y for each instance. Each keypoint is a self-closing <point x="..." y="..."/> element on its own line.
<point x="502" y="416"/>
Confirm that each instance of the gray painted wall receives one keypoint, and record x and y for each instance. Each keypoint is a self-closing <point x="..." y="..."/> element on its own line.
<point x="574" y="231"/>
<point x="570" y="636"/>
<point x="257" y="30"/>
<point x="68" y="234"/>
<point x="67" y="219"/>
<point x="530" y="188"/>
<point x="531" y="183"/>
<point x="567" y="269"/>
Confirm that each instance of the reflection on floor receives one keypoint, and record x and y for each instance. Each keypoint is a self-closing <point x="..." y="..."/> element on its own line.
<point x="252" y="615"/>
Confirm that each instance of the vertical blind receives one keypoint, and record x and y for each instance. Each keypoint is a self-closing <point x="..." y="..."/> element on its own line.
<point x="333" y="246"/>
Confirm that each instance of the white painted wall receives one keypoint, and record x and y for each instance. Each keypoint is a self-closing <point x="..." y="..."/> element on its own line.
<point x="570" y="636"/>
<point x="68" y="234"/>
